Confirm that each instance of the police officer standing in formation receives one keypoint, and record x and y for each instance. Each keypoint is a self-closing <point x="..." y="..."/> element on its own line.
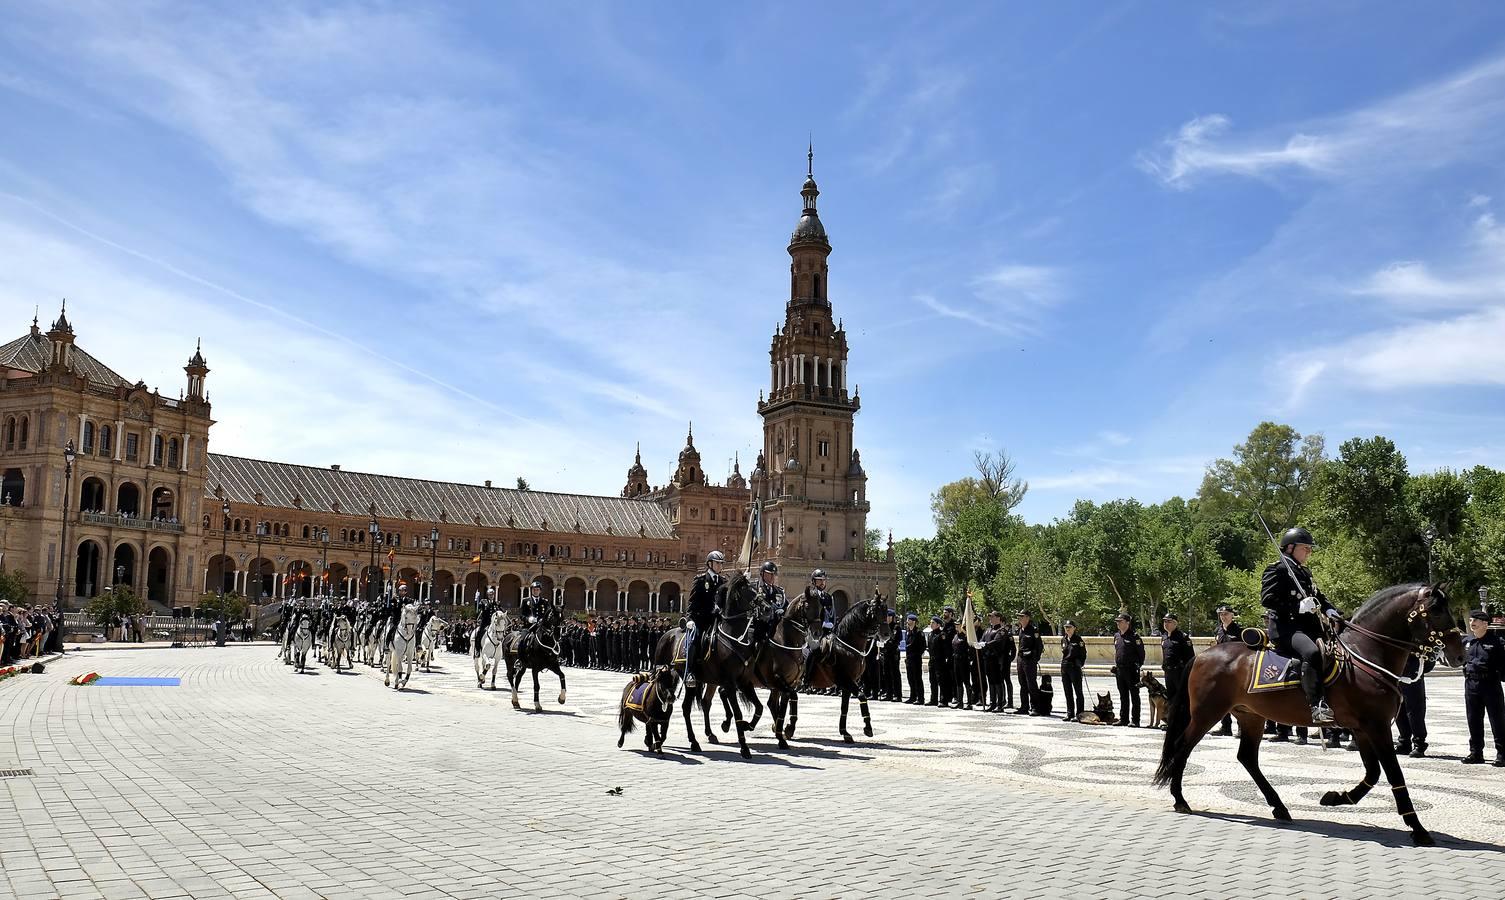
<point x="1128" y="658"/>
<point x="914" y="659"/>
<point x="1483" y="670"/>
<point x="1073" y="658"/>
<point x="938" y="642"/>
<point x="1411" y="720"/>
<point x="1227" y="631"/>
<point x="994" y="667"/>
<point x="1176" y="655"/>
<point x="1030" y="648"/>
<point x="889" y="660"/>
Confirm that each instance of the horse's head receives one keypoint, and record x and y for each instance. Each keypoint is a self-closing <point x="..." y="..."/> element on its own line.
<point x="740" y="596"/>
<point x="1433" y="625"/>
<point x="666" y="685"/>
<point x="805" y="610"/>
<point x="875" y="616"/>
<point x="410" y="613"/>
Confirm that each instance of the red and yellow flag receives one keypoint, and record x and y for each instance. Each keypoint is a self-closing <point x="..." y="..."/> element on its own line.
<point x="475" y="559"/>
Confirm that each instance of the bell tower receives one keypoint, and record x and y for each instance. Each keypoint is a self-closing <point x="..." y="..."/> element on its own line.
<point x="810" y="477"/>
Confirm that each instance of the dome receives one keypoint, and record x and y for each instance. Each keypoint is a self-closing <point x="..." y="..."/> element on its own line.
<point x="809" y="228"/>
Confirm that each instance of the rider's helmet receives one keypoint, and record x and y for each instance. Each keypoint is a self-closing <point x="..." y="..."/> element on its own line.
<point x="715" y="556"/>
<point x="770" y="568"/>
<point x="1297" y="535"/>
<point x="818" y="575"/>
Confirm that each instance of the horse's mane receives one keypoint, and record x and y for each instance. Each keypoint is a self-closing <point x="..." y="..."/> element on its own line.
<point x="1382" y="597"/>
<point x="844" y="627"/>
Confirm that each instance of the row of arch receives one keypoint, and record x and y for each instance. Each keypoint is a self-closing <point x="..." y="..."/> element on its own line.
<point x="17" y="432"/>
<point x="93" y="570"/>
<point x="126" y="499"/>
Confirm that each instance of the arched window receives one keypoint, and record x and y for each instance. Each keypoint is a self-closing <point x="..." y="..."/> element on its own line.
<point x="305" y="532"/>
<point x="157" y="446"/>
<point x="172" y="452"/>
<point x="88" y="446"/>
<point x="106" y="440"/>
<point x="10" y="433"/>
<point x="21" y="440"/>
<point x="206" y="522"/>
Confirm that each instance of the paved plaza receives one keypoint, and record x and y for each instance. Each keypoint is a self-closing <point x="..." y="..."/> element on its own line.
<point x="249" y="780"/>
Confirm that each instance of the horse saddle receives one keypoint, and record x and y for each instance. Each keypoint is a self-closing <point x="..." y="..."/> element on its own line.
<point x="638" y="696"/>
<point x="1273" y="672"/>
<point x="682" y="649"/>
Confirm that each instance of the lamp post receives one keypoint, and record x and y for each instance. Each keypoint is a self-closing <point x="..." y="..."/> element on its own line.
<point x="69" y="454"/>
<point x="261" y="530"/>
<point x="433" y="557"/>
<point x="374" y="529"/>
<point x="1429" y="537"/>
<point x="224" y="556"/>
<point x="1484" y="597"/>
<point x="1191" y="582"/>
<point x="1025" y="567"/>
<point x="542" y="564"/>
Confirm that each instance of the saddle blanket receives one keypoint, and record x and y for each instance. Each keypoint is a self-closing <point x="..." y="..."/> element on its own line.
<point x="682" y="650"/>
<point x="638" y="696"/>
<point x="1273" y="672"/>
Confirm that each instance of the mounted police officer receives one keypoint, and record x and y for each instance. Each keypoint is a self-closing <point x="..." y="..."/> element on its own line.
<point x="533" y="605"/>
<point x="771" y="597"/>
<point x="701" y="612"/>
<point x="485" y="609"/>
<point x="815" y="592"/>
<point x="1295" y="606"/>
<point x="394" y="611"/>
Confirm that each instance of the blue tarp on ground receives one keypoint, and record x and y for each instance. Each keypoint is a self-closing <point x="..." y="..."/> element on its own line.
<point x="137" y="682"/>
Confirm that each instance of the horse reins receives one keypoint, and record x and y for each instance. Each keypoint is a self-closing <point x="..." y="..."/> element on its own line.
<point x="1429" y="647"/>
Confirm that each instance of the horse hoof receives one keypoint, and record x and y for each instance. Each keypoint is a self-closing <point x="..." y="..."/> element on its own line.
<point x="695" y="748"/>
<point x="711" y="736"/>
<point x="561" y="698"/>
<point x="1182" y="808"/>
<point x="516" y="705"/>
<point x="1334" y="798"/>
<point x="1423" y="839"/>
<point x="726" y="726"/>
<point x="783" y="744"/>
<point x="867" y="730"/>
<point x="1281" y="813"/>
<point x="847" y="738"/>
<point x="789" y="732"/>
<point x="746" y="753"/>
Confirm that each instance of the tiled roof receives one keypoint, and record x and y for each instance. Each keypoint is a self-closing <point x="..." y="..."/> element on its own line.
<point x="320" y="489"/>
<point x="31" y="352"/>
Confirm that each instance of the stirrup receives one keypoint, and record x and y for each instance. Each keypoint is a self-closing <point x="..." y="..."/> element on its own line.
<point x="1321" y="714"/>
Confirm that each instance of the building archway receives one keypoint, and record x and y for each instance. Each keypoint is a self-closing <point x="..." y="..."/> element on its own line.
<point x="164" y="505"/>
<point x="13" y="488"/>
<point x="371" y="579"/>
<point x="637" y="596"/>
<point x="840" y="601"/>
<point x="221" y="575"/>
<point x="91" y="495"/>
<point x="509" y="589"/>
<point x="299" y="578"/>
<point x="669" y="597"/>
<point x="408" y="575"/>
<point x="607" y="590"/>
<point x="574" y="593"/>
<point x="444" y="586"/>
<point x="262" y="582"/>
<point x="159" y="576"/>
<point x="475" y="583"/>
<point x="123" y="565"/>
<point x="128" y="499"/>
<point x="338" y="585"/>
<point x="86" y="570"/>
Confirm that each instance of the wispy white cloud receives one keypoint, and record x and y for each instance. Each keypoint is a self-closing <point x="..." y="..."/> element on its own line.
<point x="1420" y="129"/>
<point x="1085" y="480"/>
<point x="1013" y="299"/>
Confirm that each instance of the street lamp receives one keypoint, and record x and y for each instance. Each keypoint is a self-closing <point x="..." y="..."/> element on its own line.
<point x="224" y="557"/>
<point x="1026" y="584"/>
<point x="542" y="564"/>
<point x="324" y="562"/>
<point x="1484" y="597"/>
<point x="261" y="530"/>
<point x="374" y="530"/>
<point x="1191" y="582"/>
<point x="433" y="557"/>
<point x="1430" y="537"/>
<point x="69" y="454"/>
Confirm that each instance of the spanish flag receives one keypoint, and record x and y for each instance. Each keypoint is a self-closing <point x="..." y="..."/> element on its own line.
<point x="391" y="554"/>
<point x="475" y="559"/>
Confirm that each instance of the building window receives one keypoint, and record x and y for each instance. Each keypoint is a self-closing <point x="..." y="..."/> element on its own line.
<point x="157" y="450"/>
<point x="88" y="446"/>
<point x="305" y="532"/>
<point x="21" y="441"/>
<point x="106" y="440"/>
<point x="132" y="446"/>
<point x="10" y="433"/>
<point x="822" y="535"/>
<point x="172" y="452"/>
<point x="823" y="447"/>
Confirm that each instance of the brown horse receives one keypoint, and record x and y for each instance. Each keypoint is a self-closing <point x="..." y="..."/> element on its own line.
<point x="1394" y="625"/>
<point x="731" y="650"/>
<point x="777" y="665"/>
<point x="838" y="661"/>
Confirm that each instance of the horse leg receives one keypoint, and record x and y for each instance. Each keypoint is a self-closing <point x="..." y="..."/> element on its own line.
<point x="515" y="678"/>
<point x="1251" y="734"/>
<point x="731" y="694"/>
<point x="726" y="706"/>
<point x="842" y="726"/>
<point x="867" y="717"/>
<point x="776" y="706"/>
<point x="794" y="713"/>
<point x="1380" y="745"/>
<point x="705" y="712"/>
<point x="752" y="696"/>
<point x="558" y="670"/>
<point x="689" y="722"/>
<point x="495" y="664"/>
<point x="536" y="704"/>
<point x="1370" y="779"/>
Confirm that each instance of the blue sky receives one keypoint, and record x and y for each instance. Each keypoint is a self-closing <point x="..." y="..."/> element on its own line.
<point x="480" y="241"/>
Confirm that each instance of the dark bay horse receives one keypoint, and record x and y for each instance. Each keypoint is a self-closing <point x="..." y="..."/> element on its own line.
<point x="648" y="698"/>
<point x="1394" y="625"/>
<point x="536" y="649"/>
<point x="838" y="660"/>
<point x="778" y="663"/>
<point x="731" y="650"/>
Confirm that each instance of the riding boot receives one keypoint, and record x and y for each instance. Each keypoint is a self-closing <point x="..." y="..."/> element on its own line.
<point x="1311" y="685"/>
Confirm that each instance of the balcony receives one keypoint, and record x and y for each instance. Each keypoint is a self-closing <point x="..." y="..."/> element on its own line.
<point x="93" y="518"/>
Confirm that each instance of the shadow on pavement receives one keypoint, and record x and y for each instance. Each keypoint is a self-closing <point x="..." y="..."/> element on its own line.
<point x="758" y="758"/>
<point x="668" y="755"/>
<point x="862" y="744"/>
<point x="1385" y="837"/>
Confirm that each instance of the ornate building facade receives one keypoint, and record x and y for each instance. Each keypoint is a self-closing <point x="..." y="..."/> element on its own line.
<point x="147" y="505"/>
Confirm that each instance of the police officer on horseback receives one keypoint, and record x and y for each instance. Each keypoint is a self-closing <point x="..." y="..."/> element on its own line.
<point x="772" y="601"/>
<point x="394" y="611"/>
<point x="701" y="611"/>
<point x="533" y="605"/>
<point x="816" y="593"/>
<point x="485" y="608"/>
<point x="1296" y="609"/>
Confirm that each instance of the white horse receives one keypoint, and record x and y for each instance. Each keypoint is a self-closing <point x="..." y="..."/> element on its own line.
<point x="303" y="641"/>
<point x="404" y="648"/>
<point x="429" y="642"/>
<point x="486" y="649"/>
<point x="341" y="637"/>
<point x="371" y="640"/>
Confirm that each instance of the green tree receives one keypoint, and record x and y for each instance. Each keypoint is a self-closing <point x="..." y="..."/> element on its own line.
<point x="995" y="485"/>
<point x="114" y="603"/>
<point x="232" y="606"/>
<point x="1274" y="473"/>
<point x="522" y="484"/>
<point x="12" y="586"/>
<point x="1364" y="494"/>
<point x="872" y="544"/>
<point x="921" y="586"/>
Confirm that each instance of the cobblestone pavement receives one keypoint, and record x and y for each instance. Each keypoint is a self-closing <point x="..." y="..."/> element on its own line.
<point x="249" y="780"/>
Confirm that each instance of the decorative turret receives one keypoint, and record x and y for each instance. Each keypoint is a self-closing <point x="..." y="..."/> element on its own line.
<point x="197" y="369"/>
<point x="689" y="471"/>
<point x="61" y="336"/>
<point x="637" y="476"/>
<point x="736" y="480"/>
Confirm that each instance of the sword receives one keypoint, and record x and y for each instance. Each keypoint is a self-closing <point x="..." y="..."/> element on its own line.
<point x="1286" y="561"/>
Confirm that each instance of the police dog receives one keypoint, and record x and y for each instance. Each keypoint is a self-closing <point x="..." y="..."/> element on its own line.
<point x="1102" y="714"/>
<point x="1159" y="697"/>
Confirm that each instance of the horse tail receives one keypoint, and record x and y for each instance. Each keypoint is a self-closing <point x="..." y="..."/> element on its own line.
<point x="1173" y="753"/>
<point x="625" y="721"/>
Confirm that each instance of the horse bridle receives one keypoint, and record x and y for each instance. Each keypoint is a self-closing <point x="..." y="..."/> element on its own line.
<point x="1428" y="648"/>
<point x="872" y="640"/>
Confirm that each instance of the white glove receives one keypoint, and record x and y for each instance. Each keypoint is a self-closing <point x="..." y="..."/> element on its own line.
<point x="1308" y="605"/>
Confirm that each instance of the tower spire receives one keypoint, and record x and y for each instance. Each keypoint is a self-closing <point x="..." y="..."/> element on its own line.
<point x="810" y="158"/>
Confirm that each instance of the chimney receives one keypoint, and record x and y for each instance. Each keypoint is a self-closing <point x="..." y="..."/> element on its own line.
<point x="335" y="467"/>
<point x="488" y="482"/>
